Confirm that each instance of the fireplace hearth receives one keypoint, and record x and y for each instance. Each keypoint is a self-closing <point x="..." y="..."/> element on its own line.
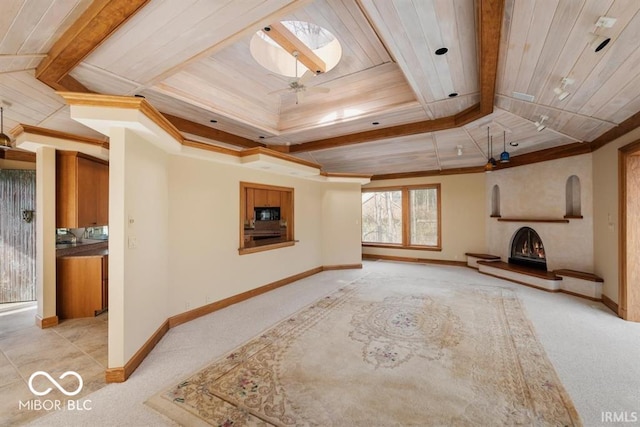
<point x="527" y="249"/>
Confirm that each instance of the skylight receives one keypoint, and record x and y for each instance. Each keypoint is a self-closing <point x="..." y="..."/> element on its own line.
<point x="276" y="59"/>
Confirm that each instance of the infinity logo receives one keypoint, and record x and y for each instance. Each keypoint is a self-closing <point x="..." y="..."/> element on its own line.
<point x="54" y="382"/>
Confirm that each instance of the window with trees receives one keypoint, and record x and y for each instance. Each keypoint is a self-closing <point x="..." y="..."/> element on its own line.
<point x="403" y="217"/>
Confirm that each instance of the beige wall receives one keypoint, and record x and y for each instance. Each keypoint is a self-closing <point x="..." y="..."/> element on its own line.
<point x="463" y="217"/>
<point x="174" y="235"/>
<point x="341" y="215"/>
<point x="205" y="220"/>
<point x="138" y="243"/>
<point x="45" y="218"/>
<point x="538" y="191"/>
<point x="605" y="212"/>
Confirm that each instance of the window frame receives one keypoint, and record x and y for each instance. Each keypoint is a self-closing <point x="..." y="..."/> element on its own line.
<point x="406" y="218"/>
<point x="288" y="214"/>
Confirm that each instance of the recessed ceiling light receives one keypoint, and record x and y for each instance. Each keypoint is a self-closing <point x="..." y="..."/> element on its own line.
<point x="138" y="95"/>
<point x="213" y="121"/>
<point x="514" y="144"/>
<point x="453" y="94"/>
<point x="375" y="123"/>
<point x="442" y="51"/>
<point x="267" y="28"/>
<point x="261" y="137"/>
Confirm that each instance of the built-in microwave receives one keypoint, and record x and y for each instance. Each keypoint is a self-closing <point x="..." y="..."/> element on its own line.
<point x="267" y="214"/>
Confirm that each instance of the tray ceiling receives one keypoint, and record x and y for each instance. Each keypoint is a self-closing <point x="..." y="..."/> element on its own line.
<point x="390" y="107"/>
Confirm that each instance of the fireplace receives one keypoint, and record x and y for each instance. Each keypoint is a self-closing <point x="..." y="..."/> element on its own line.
<point x="527" y="249"/>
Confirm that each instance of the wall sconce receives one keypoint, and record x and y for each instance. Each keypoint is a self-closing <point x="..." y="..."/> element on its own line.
<point x="540" y="123"/>
<point x="562" y="91"/>
<point x="27" y="215"/>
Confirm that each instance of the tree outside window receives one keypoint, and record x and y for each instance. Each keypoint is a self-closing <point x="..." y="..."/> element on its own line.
<point x="405" y="217"/>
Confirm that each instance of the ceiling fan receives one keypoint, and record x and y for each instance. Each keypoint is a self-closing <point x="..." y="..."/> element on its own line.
<point x="298" y="86"/>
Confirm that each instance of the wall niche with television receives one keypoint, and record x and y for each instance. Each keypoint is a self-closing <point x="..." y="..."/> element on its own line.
<point x="266" y="217"/>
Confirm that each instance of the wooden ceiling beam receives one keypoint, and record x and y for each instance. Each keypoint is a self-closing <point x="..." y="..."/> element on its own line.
<point x="18" y="155"/>
<point x="376" y="134"/>
<point x="490" y="14"/>
<point x="187" y="126"/>
<point x="292" y="44"/>
<point x="626" y="126"/>
<point x="553" y="153"/>
<point x="95" y="25"/>
<point x="489" y="28"/>
<point x="101" y="19"/>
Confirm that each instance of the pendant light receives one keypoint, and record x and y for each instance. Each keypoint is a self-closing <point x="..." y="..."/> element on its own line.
<point x="5" y="141"/>
<point x="504" y="156"/>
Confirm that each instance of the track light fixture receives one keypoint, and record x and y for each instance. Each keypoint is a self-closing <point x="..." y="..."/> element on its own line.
<point x="562" y="91"/>
<point x="598" y="41"/>
<point x="540" y="126"/>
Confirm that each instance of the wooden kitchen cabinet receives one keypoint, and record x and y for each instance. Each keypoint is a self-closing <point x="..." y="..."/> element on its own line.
<point x="82" y="190"/>
<point x="82" y="285"/>
<point x="266" y="198"/>
<point x="249" y="205"/>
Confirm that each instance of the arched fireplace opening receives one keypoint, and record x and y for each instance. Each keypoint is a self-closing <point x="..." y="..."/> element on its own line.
<point x="527" y="249"/>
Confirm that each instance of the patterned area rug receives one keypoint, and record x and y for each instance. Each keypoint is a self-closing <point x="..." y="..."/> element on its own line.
<point x="383" y="351"/>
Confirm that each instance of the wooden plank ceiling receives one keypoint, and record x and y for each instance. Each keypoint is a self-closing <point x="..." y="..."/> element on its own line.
<point x="390" y="108"/>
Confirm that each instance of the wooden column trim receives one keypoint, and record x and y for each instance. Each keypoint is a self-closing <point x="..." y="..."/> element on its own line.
<point x="120" y="374"/>
<point x="46" y="322"/>
<point x="187" y="126"/>
<point x="610" y="304"/>
<point x="623" y="286"/>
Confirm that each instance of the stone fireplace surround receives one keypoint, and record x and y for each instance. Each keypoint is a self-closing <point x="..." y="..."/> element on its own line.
<point x="560" y="279"/>
<point x="538" y="196"/>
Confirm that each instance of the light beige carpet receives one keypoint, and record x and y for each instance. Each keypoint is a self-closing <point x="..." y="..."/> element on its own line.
<point x="383" y="351"/>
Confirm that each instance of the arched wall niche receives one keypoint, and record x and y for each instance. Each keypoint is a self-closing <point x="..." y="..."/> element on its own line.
<point x="495" y="202"/>
<point x="573" y="198"/>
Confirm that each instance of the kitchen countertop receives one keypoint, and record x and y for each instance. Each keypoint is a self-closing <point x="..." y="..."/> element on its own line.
<point x="87" y="248"/>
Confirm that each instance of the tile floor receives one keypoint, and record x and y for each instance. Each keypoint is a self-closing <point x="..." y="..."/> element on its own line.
<point x="78" y="345"/>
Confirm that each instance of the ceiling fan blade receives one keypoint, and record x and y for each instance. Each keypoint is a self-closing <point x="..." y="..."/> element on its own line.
<point x="279" y="91"/>
<point x="305" y="77"/>
<point x="318" y="89"/>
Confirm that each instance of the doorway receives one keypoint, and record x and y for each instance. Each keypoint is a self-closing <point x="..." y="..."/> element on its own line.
<point x="629" y="238"/>
<point x="17" y="236"/>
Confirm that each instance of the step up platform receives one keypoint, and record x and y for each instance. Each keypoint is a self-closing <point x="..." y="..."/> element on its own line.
<point x="572" y="282"/>
<point x="473" y="258"/>
<point x="524" y="275"/>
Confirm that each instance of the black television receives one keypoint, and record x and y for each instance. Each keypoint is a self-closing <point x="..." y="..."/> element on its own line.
<point x="267" y="214"/>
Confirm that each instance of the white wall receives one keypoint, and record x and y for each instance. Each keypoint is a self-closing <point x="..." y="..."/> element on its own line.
<point x="204" y="220"/>
<point x="341" y="216"/>
<point x="538" y="191"/>
<point x="138" y="243"/>
<point x="463" y="217"/>
<point x="605" y="224"/>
